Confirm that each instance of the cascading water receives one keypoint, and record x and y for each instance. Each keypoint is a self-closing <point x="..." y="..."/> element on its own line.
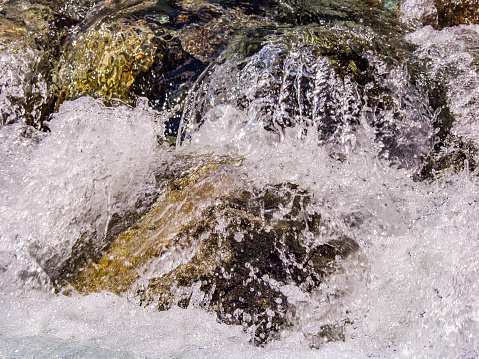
<point x="321" y="199"/>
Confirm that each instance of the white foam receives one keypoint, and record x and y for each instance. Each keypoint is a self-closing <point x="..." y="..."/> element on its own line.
<point x="451" y="56"/>
<point x="96" y="162"/>
<point x="414" y="292"/>
<point x="416" y="297"/>
<point x="106" y="326"/>
<point x="416" y="12"/>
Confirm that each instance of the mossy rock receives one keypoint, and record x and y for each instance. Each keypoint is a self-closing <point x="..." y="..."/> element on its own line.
<point x="212" y="244"/>
<point x="450" y="154"/>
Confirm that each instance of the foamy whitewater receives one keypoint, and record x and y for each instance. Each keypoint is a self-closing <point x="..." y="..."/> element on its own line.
<point x="413" y="293"/>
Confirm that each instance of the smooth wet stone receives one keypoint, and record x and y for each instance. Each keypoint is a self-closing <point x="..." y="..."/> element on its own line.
<point x="211" y="244"/>
<point x="325" y="80"/>
<point x="105" y="61"/>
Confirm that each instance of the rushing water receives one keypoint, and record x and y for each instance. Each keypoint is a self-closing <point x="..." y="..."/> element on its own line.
<point x="411" y="292"/>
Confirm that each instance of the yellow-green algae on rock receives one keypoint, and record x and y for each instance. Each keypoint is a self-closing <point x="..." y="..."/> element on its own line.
<point x="181" y="203"/>
<point x="123" y="49"/>
<point x="106" y="60"/>
<point x="214" y="242"/>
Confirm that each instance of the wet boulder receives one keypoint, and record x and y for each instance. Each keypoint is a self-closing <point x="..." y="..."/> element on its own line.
<point x="331" y="81"/>
<point x="204" y="29"/>
<point x="239" y="252"/>
<point x="244" y="261"/>
<point x="30" y="34"/>
<point x="124" y="50"/>
<point x="105" y="60"/>
<point x="182" y="201"/>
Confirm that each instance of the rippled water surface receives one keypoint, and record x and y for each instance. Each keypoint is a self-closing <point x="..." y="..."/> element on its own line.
<point x="280" y="114"/>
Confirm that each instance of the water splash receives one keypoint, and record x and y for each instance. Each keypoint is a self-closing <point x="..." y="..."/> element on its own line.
<point x="66" y="189"/>
<point x="293" y="81"/>
<point x="23" y="89"/>
<point x="416" y="297"/>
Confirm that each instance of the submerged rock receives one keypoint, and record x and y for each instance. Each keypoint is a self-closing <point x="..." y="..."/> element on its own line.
<point x="379" y="15"/>
<point x="210" y="26"/>
<point x="123" y="50"/>
<point x="30" y="34"/>
<point x="107" y="59"/>
<point x="326" y="80"/>
<point x="213" y="244"/>
<point x="182" y="202"/>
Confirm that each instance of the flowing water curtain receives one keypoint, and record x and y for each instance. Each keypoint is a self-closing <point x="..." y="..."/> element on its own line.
<point x="330" y="80"/>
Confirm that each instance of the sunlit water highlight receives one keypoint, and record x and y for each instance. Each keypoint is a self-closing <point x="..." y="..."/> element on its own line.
<point x="413" y="294"/>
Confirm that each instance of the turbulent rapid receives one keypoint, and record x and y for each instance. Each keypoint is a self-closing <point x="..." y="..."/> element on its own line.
<point x="184" y="179"/>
